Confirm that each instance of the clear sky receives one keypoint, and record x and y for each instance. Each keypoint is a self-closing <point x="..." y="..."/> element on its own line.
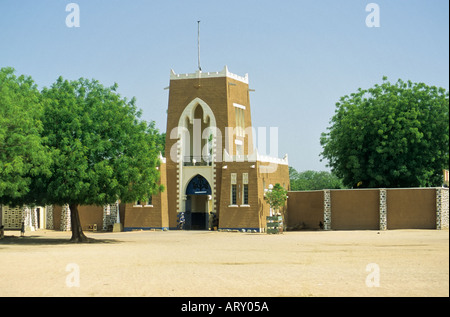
<point x="301" y="56"/>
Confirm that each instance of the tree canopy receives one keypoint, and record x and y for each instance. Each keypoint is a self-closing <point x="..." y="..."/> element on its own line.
<point x="75" y="143"/>
<point x="391" y="135"/>
<point x="22" y="153"/>
<point x="313" y="180"/>
<point x="276" y="197"/>
<point x="102" y="151"/>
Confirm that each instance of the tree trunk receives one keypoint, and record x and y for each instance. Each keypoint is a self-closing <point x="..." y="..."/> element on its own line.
<point x="77" y="231"/>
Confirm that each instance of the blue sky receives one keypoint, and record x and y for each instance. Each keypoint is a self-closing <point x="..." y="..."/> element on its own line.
<point x="301" y="56"/>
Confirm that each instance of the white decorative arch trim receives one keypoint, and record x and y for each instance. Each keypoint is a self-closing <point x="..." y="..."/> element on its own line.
<point x="185" y="174"/>
<point x="188" y="112"/>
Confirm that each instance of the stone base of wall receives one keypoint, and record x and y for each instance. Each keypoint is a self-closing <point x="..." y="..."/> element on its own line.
<point x="442" y="205"/>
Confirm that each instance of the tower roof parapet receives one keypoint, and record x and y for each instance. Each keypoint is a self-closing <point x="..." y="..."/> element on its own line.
<point x="199" y="74"/>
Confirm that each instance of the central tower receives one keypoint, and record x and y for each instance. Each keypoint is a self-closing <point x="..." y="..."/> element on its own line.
<point x="207" y="118"/>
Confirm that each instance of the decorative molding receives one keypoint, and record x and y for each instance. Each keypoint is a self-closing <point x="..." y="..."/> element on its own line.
<point x="12" y="217"/>
<point x="442" y="205"/>
<point x="111" y="215"/>
<point x="65" y="219"/>
<point x="49" y="222"/>
<point x="272" y="159"/>
<point x="238" y="106"/>
<point x="233" y="178"/>
<point x="327" y="209"/>
<point x="245" y="178"/>
<point x="199" y="74"/>
<point x="254" y="158"/>
<point x="188" y="112"/>
<point x="383" y="209"/>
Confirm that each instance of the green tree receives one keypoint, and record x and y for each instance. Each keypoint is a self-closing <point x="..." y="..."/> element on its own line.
<point x="101" y="149"/>
<point x="22" y="154"/>
<point x="313" y="180"/>
<point x="161" y="141"/>
<point x="391" y="135"/>
<point x="276" y="197"/>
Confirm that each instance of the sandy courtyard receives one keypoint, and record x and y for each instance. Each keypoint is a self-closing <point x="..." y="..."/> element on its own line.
<point x="202" y="263"/>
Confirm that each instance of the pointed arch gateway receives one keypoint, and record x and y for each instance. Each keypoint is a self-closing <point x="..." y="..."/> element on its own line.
<point x="198" y="196"/>
<point x="197" y="145"/>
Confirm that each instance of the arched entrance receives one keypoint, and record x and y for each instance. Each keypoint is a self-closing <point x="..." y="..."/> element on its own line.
<point x="198" y="197"/>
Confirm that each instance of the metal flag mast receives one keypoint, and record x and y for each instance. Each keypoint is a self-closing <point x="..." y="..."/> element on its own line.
<point x="198" y="45"/>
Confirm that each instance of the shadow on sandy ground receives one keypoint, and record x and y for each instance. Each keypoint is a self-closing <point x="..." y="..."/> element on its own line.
<point x="39" y="240"/>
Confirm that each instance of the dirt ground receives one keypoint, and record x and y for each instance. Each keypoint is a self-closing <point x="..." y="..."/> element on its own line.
<point x="227" y="264"/>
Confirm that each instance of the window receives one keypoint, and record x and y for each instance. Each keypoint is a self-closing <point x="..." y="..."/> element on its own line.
<point x="245" y="189"/>
<point x="233" y="178"/>
<point x="239" y="149"/>
<point x="234" y="194"/>
<point x="245" y="195"/>
<point x="150" y="201"/>
<point x="239" y="119"/>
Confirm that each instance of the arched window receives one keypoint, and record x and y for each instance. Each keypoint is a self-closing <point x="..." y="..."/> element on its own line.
<point x="198" y="186"/>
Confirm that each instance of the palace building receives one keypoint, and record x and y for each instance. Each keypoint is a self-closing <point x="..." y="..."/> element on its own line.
<point x="213" y="175"/>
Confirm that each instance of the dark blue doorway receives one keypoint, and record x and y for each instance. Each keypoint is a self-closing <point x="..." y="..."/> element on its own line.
<point x="196" y="208"/>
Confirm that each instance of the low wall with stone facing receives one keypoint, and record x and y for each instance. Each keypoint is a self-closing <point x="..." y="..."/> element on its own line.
<point x="369" y="209"/>
<point x="103" y="217"/>
<point x="442" y="206"/>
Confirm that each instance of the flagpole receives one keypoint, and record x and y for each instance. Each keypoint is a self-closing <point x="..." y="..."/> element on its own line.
<point x="198" y="45"/>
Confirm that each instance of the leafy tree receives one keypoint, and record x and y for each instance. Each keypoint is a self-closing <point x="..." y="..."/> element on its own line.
<point x="391" y="135"/>
<point x="161" y="141"/>
<point x="313" y="180"/>
<point x="101" y="149"/>
<point x="22" y="154"/>
<point x="276" y="197"/>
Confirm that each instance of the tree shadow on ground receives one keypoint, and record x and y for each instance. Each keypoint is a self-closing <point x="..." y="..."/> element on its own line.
<point x="39" y="240"/>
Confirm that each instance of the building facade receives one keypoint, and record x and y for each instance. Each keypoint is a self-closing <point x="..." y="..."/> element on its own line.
<point x="214" y="178"/>
<point x="213" y="175"/>
<point x="32" y="218"/>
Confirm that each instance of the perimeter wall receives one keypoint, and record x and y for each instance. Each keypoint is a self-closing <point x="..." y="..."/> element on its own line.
<point x="368" y="209"/>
